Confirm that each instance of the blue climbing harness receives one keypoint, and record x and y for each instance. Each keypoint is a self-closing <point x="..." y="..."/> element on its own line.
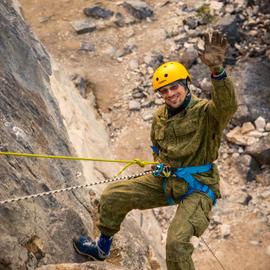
<point x="185" y="173"/>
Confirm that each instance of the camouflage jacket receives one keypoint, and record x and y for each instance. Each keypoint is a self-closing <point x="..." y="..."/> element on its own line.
<point x="193" y="136"/>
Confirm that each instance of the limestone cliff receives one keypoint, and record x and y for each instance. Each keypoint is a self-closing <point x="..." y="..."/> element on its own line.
<point x="40" y="231"/>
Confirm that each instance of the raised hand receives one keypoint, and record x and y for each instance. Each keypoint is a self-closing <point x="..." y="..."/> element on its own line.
<point x="214" y="51"/>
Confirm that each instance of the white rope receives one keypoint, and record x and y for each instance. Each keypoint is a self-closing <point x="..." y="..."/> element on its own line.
<point x="33" y="196"/>
<point x="38" y="195"/>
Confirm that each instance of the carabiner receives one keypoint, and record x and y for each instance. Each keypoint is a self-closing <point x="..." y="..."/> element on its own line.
<point x="158" y="169"/>
<point x="166" y="171"/>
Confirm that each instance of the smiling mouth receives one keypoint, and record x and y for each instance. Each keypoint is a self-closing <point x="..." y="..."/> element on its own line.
<point x="173" y="98"/>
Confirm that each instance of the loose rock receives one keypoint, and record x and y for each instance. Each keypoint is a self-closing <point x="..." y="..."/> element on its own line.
<point x="247" y="127"/>
<point x="83" y="26"/>
<point x="225" y="230"/>
<point x="154" y="59"/>
<point x="267" y="127"/>
<point x="260" y="123"/>
<point x="188" y="56"/>
<point x="191" y="22"/>
<point x="139" y="9"/>
<point x="98" y="12"/>
<point x="134" y="64"/>
<point x="87" y="47"/>
<point x="147" y="116"/>
<point x="217" y="6"/>
<point x="134" y="105"/>
<point x="261" y="151"/>
<point x="265" y="194"/>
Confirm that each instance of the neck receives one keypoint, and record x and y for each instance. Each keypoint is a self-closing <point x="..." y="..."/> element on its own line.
<point x="173" y="111"/>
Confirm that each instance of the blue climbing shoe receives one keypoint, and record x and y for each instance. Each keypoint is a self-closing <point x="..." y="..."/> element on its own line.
<point x="96" y="250"/>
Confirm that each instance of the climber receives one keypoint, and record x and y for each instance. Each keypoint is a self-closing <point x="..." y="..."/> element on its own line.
<point x="186" y="134"/>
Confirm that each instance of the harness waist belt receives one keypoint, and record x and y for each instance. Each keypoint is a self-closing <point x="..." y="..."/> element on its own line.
<point x="186" y="174"/>
<point x="193" y="184"/>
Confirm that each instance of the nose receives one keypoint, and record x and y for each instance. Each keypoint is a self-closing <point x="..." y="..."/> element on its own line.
<point x="170" y="93"/>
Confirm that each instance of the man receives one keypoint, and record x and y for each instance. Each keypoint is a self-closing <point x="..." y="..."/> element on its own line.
<point x="186" y="134"/>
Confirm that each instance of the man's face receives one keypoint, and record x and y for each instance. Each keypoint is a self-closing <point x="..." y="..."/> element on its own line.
<point x="173" y="94"/>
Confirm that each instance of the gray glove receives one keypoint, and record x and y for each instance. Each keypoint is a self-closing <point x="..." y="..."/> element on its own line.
<point x="214" y="51"/>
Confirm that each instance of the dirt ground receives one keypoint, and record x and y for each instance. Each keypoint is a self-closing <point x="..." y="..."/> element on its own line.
<point x="113" y="80"/>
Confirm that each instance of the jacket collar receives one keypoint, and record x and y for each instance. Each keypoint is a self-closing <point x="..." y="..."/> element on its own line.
<point x="182" y="107"/>
<point x="163" y="114"/>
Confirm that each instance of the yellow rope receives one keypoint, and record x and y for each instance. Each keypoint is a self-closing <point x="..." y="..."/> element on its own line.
<point x="129" y="162"/>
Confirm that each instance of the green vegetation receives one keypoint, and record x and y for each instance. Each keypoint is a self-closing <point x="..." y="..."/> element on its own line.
<point x="205" y="14"/>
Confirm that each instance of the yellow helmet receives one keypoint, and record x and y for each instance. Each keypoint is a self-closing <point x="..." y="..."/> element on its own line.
<point x="168" y="73"/>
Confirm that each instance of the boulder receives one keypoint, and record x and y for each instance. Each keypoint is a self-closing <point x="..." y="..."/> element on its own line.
<point x="260" y="151"/>
<point x="237" y="137"/>
<point x="139" y="9"/>
<point x="247" y="127"/>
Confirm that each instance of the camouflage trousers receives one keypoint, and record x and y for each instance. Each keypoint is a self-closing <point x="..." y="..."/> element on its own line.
<point x="146" y="192"/>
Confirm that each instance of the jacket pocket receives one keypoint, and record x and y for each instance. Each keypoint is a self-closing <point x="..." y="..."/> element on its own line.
<point x="159" y="133"/>
<point x="185" y="128"/>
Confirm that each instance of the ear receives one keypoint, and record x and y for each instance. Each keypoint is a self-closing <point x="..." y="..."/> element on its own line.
<point x="187" y="85"/>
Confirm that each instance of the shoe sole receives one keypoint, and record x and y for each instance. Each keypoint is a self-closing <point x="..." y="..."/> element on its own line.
<point x="85" y="254"/>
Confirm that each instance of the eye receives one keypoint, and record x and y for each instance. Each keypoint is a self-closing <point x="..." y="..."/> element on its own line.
<point x="165" y="75"/>
<point x="163" y="91"/>
<point x="174" y="87"/>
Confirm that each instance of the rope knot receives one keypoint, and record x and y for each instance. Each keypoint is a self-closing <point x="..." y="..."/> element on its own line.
<point x="139" y="162"/>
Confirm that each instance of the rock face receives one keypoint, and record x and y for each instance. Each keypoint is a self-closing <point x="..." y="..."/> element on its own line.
<point x="34" y="233"/>
<point x="40" y="231"/>
<point x="253" y="90"/>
